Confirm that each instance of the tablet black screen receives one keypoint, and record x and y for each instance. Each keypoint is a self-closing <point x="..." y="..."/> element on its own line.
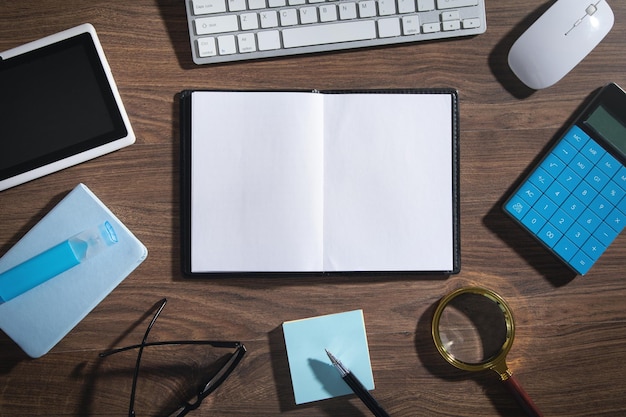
<point x="55" y="102"/>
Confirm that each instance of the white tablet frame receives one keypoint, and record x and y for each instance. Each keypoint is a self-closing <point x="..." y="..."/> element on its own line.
<point x="83" y="156"/>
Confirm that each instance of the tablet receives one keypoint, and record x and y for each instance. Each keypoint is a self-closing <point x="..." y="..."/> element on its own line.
<point x="59" y="106"/>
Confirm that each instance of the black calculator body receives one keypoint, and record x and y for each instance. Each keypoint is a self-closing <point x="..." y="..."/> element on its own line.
<point x="574" y="200"/>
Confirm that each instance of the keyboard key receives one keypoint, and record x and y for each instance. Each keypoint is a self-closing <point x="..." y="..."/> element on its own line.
<point x="609" y="164"/>
<point x="605" y="234"/>
<point x="226" y="44"/>
<point x="561" y="220"/>
<point x="386" y="7"/>
<point x="431" y="27"/>
<point x="597" y="178"/>
<point x="410" y="25"/>
<point x="246" y="42"/>
<point x="533" y="221"/>
<point x="541" y="179"/>
<point x="453" y="4"/>
<point x="389" y="27"/>
<point x="471" y="23"/>
<point x="217" y="24"/>
<point x="308" y="15"/>
<point x="601" y="207"/>
<point x="288" y="17"/>
<point x="451" y="25"/>
<point x="268" y="40"/>
<point x="529" y="192"/>
<point x="569" y="179"/>
<point x="553" y="165"/>
<point x="581" y="262"/>
<point x="617" y="220"/>
<point x="593" y="249"/>
<point x="564" y="151"/>
<point x="589" y="220"/>
<point x="576" y="137"/>
<point x="585" y="193"/>
<point x="367" y="8"/>
<point x="517" y="207"/>
<point x="347" y="11"/>
<point x="565" y="249"/>
<point x="425" y="5"/>
<point x="334" y="32"/>
<point x="237" y="5"/>
<point x="578" y="235"/>
<point x="406" y="6"/>
<point x="557" y="193"/>
<point x="573" y="207"/>
<point x="269" y="19"/>
<point x="206" y="47"/>
<point x="249" y="21"/>
<point x="613" y="193"/>
<point x="328" y="13"/>
<point x="201" y="7"/>
<point x="593" y="151"/>
<point x="550" y="235"/>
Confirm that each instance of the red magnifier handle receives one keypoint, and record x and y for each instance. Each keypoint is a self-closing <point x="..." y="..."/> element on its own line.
<point x="522" y="397"/>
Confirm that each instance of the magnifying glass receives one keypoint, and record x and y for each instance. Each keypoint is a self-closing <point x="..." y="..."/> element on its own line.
<point x="473" y="329"/>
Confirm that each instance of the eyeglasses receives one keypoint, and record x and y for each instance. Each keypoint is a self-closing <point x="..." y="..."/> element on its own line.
<point x="206" y="388"/>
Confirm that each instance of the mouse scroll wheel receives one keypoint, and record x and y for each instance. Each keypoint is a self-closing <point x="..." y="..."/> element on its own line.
<point x="591" y="9"/>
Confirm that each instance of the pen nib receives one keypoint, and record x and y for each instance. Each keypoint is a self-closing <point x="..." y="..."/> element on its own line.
<point x="337" y="364"/>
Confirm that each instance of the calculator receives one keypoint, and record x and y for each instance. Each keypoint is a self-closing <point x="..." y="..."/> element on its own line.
<point x="573" y="201"/>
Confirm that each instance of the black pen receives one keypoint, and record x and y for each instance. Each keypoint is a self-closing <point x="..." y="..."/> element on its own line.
<point x="357" y="387"/>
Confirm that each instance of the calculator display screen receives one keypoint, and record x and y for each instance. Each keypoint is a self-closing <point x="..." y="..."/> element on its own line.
<point x="612" y="129"/>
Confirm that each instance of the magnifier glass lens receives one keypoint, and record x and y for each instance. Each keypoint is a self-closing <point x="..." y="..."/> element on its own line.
<point x="473" y="328"/>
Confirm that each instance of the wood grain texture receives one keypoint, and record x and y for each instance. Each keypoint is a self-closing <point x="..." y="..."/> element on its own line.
<point x="571" y="331"/>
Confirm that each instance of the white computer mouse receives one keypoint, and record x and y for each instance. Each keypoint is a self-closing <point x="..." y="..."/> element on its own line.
<point x="564" y="35"/>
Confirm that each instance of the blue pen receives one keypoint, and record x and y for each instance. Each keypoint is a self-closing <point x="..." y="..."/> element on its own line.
<point x="54" y="261"/>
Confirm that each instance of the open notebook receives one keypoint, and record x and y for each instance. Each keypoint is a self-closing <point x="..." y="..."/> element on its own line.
<point x="320" y="181"/>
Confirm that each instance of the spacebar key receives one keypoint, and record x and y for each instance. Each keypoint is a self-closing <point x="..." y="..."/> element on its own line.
<point x="332" y="33"/>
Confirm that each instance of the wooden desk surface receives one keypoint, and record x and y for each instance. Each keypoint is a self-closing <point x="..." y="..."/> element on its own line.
<point x="571" y="331"/>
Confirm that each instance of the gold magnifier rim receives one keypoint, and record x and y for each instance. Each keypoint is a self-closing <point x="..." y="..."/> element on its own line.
<point x="495" y="362"/>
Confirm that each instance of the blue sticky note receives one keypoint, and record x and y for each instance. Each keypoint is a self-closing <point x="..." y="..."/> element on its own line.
<point x="313" y="376"/>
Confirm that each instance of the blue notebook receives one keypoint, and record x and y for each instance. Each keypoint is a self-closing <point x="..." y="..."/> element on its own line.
<point x="38" y="319"/>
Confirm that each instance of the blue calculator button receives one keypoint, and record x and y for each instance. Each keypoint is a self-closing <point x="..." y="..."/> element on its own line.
<point x="613" y="192"/>
<point x="585" y="193"/>
<point x="529" y="192"/>
<point x="620" y="178"/>
<point x="589" y="220"/>
<point x="541" y="179"/>
<point x="545" y="207"/>
<point x="617" y="220"/>
<point x="517" y="207"/>
<point x="557" y="193"/>
<point x="573" y="207"/>
<point x="533" y="221"/>
<point x="553" y="165"/>
<point x="564" y="151"/>
<point x="609" y="164"/>
<point x="578" y="235"/>
<point x="593" y="249"/>
<point x="576" y="137"/>
<point x="605" y="234"/>
<point x="569" y="179"/>
<point x="581" y="263"/>
<point x="597" y="178"/>
<point x="601" y="207"/>
<point x="593" y="151"/>
<point x="550" y="235"/>
<point x="565" y="249"/>
<point x="622" y="205"/>
<point x="581" y="165"/>
<point x="562" y="221"/>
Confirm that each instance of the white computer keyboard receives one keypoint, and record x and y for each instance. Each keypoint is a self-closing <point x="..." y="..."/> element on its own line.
<point x="233" y="30"/>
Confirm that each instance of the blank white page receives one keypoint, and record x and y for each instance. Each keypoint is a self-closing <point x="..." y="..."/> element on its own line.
<point x="257" y="161"/>
<point x="388" y="182"/>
